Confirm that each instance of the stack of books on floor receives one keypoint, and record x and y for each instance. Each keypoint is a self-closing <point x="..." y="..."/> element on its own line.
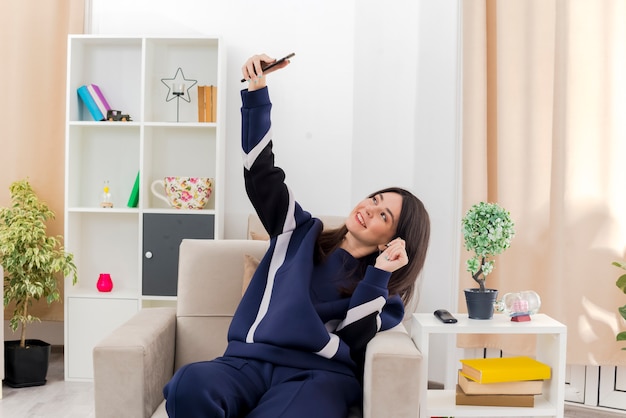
<point x="502" y="381"/>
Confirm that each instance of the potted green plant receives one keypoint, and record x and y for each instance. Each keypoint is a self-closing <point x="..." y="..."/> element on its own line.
<point x="487" y="232"/>
<point x="621" y="283"/>
<point x="31" y="260"/>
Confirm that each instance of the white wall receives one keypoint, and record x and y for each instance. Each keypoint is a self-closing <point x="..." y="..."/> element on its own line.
<point x="372" y="99"/>
<point x="312" y="111"/>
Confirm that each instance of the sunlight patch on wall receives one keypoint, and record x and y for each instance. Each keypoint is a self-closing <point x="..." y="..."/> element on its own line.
<point x="597" y="314"/>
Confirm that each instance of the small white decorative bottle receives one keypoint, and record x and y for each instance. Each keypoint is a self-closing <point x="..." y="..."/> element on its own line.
<point x="106" y="196"/>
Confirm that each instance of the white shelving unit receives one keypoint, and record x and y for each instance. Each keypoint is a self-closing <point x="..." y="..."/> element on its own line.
<point x="551" y="339"/>
<point x="129" y="70"/>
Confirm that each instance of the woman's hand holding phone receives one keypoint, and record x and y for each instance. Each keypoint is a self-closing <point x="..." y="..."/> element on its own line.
<point x="258" y="65"/>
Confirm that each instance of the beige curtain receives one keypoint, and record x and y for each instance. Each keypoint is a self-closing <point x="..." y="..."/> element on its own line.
<point x="545" y="136"/>
<point x="32" y="109"/>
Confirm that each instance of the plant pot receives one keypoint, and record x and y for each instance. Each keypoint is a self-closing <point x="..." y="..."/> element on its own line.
<point x="480" y="304"/>
<point x="24" y="367"/>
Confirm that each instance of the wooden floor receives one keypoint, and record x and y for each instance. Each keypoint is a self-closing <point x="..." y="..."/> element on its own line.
<point x="61" y="399"/>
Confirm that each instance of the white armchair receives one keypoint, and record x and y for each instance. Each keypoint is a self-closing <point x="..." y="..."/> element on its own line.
<point x="132" y="365"/>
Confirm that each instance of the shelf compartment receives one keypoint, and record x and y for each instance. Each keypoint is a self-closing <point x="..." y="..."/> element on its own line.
<point x="90" y="61"/>
<point x="104" y="243"/>
<point x="197" y="58"/>
<point x="97" y="154"/>
<point x="177" y="151"/>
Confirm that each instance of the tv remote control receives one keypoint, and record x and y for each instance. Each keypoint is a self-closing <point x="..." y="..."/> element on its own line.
<point x="445" y="316"/>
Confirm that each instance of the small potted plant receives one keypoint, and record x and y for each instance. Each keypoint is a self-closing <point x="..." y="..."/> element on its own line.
<point x="487" y="232"/>
<point x="621" y="283"/>
<point x="31" y="261"/>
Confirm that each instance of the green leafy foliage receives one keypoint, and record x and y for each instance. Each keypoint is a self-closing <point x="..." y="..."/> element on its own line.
<point x="621" y="284"/>
<point x="30" y="258"/>
<point x="487" y="231"/>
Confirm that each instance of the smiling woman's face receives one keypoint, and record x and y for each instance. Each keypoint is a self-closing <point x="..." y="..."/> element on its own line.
<point x="374" y="220"/>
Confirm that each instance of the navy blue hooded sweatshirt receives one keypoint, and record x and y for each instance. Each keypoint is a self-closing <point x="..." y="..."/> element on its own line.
<point x="294" y="312"/>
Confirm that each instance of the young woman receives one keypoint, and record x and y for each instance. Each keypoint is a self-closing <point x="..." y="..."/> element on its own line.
<point x="296" y="342"/>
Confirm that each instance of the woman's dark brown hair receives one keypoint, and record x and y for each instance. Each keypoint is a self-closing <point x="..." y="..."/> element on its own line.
<point x="413" y="227"/>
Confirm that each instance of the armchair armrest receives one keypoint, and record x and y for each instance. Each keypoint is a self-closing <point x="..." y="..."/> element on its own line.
<point x="391" y="376"/>
<point x="133" y="363"/>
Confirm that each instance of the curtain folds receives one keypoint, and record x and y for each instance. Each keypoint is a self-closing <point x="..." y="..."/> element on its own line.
<point x="32" y="126"/>
<point x="544" y="135"/>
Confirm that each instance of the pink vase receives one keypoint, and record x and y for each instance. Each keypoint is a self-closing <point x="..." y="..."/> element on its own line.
<point x="105" y="284"/>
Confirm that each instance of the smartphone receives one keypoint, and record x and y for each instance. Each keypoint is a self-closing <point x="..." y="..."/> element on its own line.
<point x="275" y="63"/>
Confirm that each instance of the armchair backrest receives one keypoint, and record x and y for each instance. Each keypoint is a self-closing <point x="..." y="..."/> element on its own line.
<point x="210" y="277"/>
<point x="256" y="230"/>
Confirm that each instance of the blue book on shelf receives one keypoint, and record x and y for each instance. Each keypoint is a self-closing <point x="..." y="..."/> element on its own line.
<point x="83" y="93"/>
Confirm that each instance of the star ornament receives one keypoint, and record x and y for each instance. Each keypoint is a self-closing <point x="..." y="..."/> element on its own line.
<point x="178" y="80"/>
